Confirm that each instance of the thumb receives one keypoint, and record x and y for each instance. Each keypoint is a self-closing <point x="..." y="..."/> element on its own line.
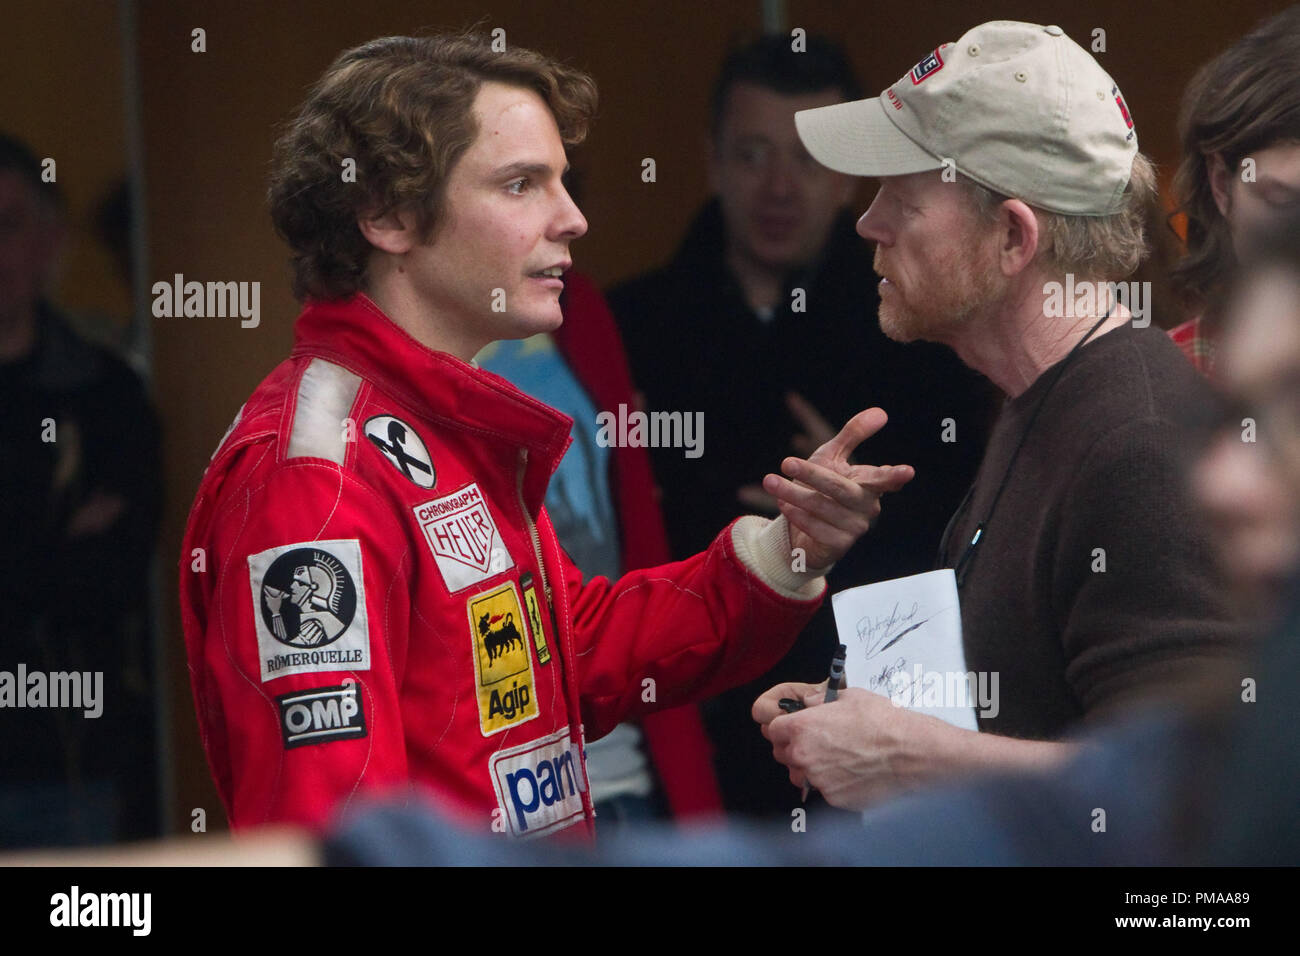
<point x="855" y="431"/>
<point x="815" y="694"/>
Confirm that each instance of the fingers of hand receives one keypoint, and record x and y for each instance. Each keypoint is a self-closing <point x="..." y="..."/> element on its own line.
<point x="829" y="498"/>
<point x="851" y="488"/>
<point x="766" y="709"/>
<point x="778" y="731"/>
<point x="815" y="694"/>
<point x="855" y="431"/>
<point x="768" y="705"/>
<point x="830" y="540"/>
<point x="782" y="744"/>
<point x="882" y="478"/>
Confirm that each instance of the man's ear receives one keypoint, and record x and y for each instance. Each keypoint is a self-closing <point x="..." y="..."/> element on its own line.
<point x="1017" y="237"/>
<point x="1219" y="182"/>
<point x="394" y="232"/>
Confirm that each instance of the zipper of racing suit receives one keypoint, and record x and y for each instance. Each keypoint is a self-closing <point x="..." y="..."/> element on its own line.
<point x="576" y="748"/>
<point x="537" y="543"/>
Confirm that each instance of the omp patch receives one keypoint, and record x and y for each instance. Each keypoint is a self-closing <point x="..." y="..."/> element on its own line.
<point x="539" y="785"/>
<point x="463" y="538"/>
<point x="535" y="618"/>
<point x="503" y="664"/>
<point x="403" y="448"/>
<point x="309" y="608"/>
<point x="320" y="715"/>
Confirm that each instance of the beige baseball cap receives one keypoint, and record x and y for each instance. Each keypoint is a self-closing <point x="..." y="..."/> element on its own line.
<point x="1018" y="107"/>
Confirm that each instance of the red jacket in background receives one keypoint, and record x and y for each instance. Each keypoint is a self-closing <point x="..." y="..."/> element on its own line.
<point x="591" y="346"/>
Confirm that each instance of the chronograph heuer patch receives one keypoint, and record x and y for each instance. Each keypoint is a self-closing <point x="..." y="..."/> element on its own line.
<point x="463" y="536"/>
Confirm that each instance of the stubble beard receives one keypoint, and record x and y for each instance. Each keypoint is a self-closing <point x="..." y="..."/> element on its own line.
<point x="936" y="310"/>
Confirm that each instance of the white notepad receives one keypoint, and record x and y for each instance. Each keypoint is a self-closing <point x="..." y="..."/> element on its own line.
<point x="904" y="641"/>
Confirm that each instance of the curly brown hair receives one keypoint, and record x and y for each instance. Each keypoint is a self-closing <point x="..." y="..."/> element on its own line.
<point x="401" y="109"/>
<point x="1245" y="99"/>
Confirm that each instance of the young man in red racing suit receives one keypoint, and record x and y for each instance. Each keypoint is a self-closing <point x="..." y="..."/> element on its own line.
<point x="372" y="593"/>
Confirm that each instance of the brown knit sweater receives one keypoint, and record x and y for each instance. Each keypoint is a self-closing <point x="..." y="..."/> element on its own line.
<point x="1103" y="468"/>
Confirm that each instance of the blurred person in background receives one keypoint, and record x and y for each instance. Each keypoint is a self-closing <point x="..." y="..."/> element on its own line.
<point x="1240" y="131"/>
<point x="81" y="499"/>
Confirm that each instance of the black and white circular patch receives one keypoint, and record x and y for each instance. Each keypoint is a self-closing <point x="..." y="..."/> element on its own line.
<point x="308" y="598"/>
<point x="403" y="448"/>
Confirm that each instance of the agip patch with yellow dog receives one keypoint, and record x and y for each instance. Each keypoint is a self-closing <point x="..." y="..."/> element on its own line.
<point x="503" y="663"/>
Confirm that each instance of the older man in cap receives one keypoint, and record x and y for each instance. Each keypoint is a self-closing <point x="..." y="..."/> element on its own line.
<point x="1009" y="212"/>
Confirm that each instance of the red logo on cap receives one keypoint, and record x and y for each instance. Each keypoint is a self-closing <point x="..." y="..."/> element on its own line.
<point x="931" y="64"/>
<point x="1122" y="108"/>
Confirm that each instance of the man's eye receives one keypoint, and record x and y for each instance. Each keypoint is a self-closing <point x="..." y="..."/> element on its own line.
<point x="517" y="187"/>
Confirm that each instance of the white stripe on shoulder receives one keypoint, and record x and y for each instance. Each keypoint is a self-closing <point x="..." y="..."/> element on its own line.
<point x="325" y="396"/>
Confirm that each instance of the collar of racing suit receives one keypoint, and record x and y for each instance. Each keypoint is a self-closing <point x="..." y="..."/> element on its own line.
<point x="356" y="334"/>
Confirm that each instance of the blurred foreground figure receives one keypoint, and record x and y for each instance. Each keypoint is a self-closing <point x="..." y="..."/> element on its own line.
<point x="1240" y="131"/>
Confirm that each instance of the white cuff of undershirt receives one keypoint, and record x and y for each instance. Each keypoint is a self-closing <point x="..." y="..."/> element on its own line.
<point x="763" y="546"/>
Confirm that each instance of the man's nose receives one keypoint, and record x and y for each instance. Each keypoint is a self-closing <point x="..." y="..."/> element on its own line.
<point x="569" y="221"/>
<point x="781" y="178"/>
<point x="872" y="226"/>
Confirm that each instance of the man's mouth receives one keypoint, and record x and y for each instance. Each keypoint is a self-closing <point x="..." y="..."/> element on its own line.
<point x="777" y="226"/>
<point x="554" y="272"/>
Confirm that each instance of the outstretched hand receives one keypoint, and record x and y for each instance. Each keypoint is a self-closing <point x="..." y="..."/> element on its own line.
<point x="830" y="503"/>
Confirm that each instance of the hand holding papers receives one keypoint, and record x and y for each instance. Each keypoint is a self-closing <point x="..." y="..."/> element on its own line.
<point x="904" y="639"/>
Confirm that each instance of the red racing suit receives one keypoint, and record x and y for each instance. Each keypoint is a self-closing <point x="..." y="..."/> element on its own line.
<point x="373" y="597"/>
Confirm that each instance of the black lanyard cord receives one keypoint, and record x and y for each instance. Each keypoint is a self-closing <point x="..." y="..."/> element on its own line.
<point x="963" y="565"/>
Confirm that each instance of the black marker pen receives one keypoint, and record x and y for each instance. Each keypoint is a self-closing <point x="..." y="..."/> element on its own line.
<point x="832" y="690"/>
